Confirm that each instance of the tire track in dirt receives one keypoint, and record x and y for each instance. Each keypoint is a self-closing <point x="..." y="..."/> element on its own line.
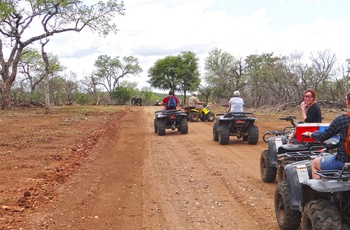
<point x="204" y="185"/>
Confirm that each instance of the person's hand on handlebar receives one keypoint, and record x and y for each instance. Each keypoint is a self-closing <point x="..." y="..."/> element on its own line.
<point x="306" y="134"/>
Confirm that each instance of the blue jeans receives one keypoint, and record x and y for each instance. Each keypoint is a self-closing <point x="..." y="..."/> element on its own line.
<point x="331" y="163"/>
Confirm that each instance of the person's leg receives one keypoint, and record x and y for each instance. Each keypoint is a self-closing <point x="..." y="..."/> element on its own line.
<point x="316" y="166"/>
<point x="329" y="162"/>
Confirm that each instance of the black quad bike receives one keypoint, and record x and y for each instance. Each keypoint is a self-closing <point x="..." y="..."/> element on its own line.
<point x="170" y="119"/>
<point x="314" y="203"/>
<point x="277" y="143"/>
<point x="315" y="149"/>
<point x="239" y="124"/>
<point x="195" y="115"/>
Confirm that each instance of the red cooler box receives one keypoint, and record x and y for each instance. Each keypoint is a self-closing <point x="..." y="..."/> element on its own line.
<point x="305" y="127"/>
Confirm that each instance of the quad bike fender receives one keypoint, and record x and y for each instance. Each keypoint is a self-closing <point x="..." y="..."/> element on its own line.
<point x="297" y="174"/>
<point x="206" y="110"/>
<point x="327" y="186"/>
<point x="161" y="116"/>
<point x="274" y="144"/>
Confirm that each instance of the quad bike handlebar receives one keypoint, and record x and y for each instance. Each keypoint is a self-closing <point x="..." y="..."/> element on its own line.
<point x="283" y="132"/>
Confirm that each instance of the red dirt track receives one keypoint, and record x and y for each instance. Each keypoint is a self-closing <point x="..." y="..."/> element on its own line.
<point x="109" y="170"/>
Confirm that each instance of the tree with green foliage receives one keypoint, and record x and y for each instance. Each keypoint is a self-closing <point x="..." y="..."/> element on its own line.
<point x="111" y="70"/>
<point x="224" y="73"/>
<point x="48" y="17"/>
<point x="259" y="71"/>
<point x="178" y="73"/>
<point x="32" y="67"/>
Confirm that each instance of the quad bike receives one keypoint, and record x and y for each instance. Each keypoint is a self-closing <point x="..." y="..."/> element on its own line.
<point x="239" y="124"/>
<point x="170" y="119"/>
<point x="314" y="203"/>
<point x="270" y="165"/>
<point x="194" y="114"/>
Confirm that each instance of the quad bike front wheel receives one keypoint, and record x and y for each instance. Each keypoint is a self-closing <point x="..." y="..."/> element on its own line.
<point x="210" y="117"/>
<point x="321" y="214"/>
<point x="267" y="173"/>
<point x="287" y="218"/>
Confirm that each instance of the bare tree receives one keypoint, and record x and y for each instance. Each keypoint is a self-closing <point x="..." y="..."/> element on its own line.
<point x="53" y="17"/>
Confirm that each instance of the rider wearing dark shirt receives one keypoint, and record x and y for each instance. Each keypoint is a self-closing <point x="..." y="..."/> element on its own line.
<point x="310" y="110"/>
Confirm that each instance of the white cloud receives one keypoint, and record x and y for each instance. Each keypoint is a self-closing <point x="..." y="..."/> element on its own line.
<point x="151" y="30"/>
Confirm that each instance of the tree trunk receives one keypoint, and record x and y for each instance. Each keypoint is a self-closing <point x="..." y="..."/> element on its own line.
<point x="6" y="95"/>
<point x="46" y="77"/>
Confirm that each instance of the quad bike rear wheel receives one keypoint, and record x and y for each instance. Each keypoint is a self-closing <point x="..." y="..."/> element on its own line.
<point x="268" y="173"/>
<point x="194" y="116"/>
<point x="210" y="117"/>
<point x="287" y="218"/>
<point x="321" y="214"/>
<point x="224" y="134"/>
<point x="215" y="132"/>
<point x="253" y="136"/>
<point x="161" y="127"/>
<point x="155" y="125"/>
<point x="183" y="127"/>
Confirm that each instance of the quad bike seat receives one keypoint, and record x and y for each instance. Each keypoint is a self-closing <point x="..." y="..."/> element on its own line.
<point x="293" y="148"/>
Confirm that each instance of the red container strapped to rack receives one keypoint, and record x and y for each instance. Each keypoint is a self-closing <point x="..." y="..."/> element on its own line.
<point x="309" y="127"/>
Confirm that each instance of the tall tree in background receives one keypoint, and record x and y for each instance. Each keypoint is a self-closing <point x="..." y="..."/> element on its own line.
<point x="163" y="74"/>
<point x="188" y="72"/>
<point x="259" y="70"/>
<point x="111" y="70"/>
<point x="17" y="17"/>
<point x="224" y="72"/>
<point x="32" y="67"/>
<point x="178" y="73"/>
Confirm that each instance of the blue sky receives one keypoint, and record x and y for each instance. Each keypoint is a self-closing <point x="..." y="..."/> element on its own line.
<point x="154" y="29"/>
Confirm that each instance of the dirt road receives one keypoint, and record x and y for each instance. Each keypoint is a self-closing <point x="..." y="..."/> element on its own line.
<point x="132" y="178"/>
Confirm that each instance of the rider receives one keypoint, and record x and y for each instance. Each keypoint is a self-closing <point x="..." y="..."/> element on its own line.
<point x="310" y="109"/>
<point x="194" y="102"/>
<point x="166" y="99"/>
<point x="236" y="103"/>
<point x="338" y="126"/>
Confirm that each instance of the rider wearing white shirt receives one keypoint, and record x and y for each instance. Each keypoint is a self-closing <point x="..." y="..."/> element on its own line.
<point x="236" y="103"/>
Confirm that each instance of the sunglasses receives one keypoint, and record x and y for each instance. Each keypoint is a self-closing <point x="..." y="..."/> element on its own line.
<point x="308" y="97"/>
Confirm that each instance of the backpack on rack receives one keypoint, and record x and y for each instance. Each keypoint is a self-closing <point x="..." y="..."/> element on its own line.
<point x="347" y="139"/>
<point x="171" y="103"/>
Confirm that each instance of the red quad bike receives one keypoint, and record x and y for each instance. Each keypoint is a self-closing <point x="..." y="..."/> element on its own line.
<point x="194" y="115"/>
<point x="170" y="119"/>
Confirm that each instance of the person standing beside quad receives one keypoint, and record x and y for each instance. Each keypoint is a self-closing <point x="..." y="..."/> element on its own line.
<point x="167" y="98"/>
<point x="339" y="125"/>
<point x="194" y="102"/>
<point x="236" y="103"/>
